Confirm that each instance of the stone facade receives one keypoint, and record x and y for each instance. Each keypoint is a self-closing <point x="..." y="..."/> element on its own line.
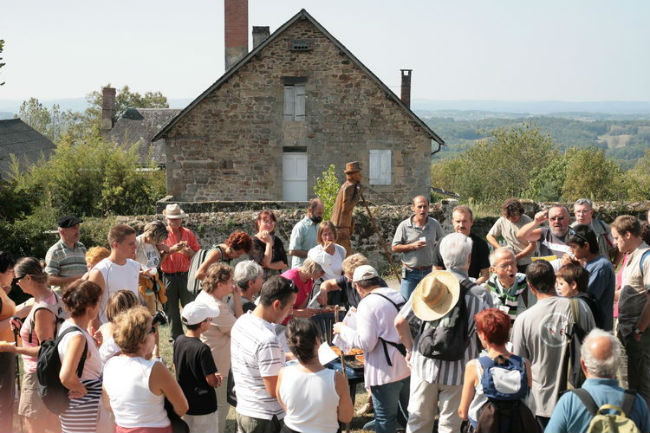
<point x="229" y="143"/>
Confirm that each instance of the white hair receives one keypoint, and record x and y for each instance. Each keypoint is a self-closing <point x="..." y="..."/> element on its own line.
<point x="455" y="249"/>
<point x="499" y="251"/>
<point x="600" y="367"/>
<point x="246" y="271"/>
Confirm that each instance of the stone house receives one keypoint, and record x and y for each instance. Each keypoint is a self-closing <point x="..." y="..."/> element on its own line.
<point x="282" y="113"/>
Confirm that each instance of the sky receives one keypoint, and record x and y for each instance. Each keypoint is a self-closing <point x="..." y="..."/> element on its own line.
<point x="506" y="50"/>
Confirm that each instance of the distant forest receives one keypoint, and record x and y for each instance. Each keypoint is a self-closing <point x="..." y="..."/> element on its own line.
<point x="624" y="141"/>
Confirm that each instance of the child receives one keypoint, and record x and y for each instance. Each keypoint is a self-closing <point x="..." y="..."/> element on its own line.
<point x="195" y="369"/>
<point x="572" y="280"/>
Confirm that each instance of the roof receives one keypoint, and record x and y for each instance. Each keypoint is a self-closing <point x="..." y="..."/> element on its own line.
<point x="142" y="124"/>
<point x="303" y="14"/>
<point x="22" y="140"/>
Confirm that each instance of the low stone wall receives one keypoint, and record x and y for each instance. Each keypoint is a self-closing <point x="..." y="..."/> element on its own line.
<point x="215" y="225"/>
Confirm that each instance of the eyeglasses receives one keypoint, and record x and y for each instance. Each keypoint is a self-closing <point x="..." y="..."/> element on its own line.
<point x="556" y="218"/>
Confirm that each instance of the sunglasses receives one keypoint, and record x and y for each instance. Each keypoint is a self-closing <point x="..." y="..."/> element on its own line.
<point x="16" y="279"/>
<point x="558" y="218"/>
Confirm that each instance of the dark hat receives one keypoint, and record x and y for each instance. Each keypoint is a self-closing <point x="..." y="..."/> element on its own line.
<point x="68" y="221"/>
<point x="352" y="167"/>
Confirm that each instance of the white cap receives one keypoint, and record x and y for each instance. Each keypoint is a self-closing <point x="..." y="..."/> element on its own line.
<point x="364" y="272"/>
<point x="196" y="312"/>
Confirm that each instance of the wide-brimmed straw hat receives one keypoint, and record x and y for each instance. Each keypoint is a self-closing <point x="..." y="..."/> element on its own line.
<point x="174" y="211"/>
<point x="435" y="295"/>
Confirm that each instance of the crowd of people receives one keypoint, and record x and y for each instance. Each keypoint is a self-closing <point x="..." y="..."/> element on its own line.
<point x="527" y="329"/>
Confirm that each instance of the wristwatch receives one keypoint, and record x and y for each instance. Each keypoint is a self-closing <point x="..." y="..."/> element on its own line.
<point x="637" y="331"/>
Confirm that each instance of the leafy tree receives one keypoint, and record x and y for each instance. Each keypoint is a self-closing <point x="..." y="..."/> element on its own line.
<point x="53" y="122"/>
<point x="590" y="174"/>
<point x="326" y="188"/>
<point x="546" y="182"/>
<point x="2" y="47"/>
<point x="637" y="180"/>
<point x="498" y="167"/>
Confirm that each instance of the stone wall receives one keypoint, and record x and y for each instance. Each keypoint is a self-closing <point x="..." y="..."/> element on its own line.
<point x="214" y="227"/>
<point x="230" y="145"/>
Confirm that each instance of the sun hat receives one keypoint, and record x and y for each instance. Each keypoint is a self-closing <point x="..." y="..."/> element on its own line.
<point x="197" y="312"/>
<point x="435" y="295"/>
<point x="174" y="211"/>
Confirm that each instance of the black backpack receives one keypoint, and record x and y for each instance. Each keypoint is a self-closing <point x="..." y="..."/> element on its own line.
<point x="506" y="416"/>
<point x="385" y="343"/>
<point x="50" y="388"/>
<point x="446" y="338"/>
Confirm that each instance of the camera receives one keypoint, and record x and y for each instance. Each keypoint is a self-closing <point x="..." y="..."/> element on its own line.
<point x="160" y="318"/>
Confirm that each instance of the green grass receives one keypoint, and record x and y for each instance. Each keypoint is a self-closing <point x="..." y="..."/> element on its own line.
<point x="166" y="353"/>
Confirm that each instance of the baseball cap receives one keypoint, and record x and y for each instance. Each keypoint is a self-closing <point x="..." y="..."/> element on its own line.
<point x="364" y="272"/>
<point x="196" y="312"/>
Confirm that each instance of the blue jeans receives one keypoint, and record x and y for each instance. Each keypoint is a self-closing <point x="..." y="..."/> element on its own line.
<point x="410" y="280"/>
<point x="389" y="400"/>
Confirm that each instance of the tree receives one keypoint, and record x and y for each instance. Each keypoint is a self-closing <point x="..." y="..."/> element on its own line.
<point x="498" y="167"/>
<point x="637" y="179"/>
<point x="2" y="47"/>
<point x="590" y="174"/>
<point x="546" y="182"/>
<point x="326" y="188"/>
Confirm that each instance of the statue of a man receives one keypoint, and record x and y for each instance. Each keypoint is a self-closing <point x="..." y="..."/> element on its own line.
<point x="346" y="200"/>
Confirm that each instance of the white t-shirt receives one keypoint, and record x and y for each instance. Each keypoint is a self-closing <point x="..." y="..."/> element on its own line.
<point x="255" y="353"/>
<point x="331" y="264"/>
<point x="146" y="254"/>
<point x="117" y="277"/>
<point x="93" y="364"/>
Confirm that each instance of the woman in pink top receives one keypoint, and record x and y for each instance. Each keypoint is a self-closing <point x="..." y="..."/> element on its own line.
<point x="303" y="277"/>
<point x="39" y="326"/>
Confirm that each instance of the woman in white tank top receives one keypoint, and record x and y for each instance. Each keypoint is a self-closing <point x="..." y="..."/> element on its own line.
<point x="137" y="385"/>
<point x="314" y="398"/>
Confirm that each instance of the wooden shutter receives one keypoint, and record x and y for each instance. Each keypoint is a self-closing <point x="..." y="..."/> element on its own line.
<point x="289" y="102"/>
<point x="380" y="167"/>
<point x="300" y="102"/>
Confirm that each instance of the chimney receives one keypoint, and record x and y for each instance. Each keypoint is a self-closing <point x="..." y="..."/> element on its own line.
<point x="406" y="87"/>
<point x="236" y="25"/>
<point x="260" y="34"/>
<point x="108" y="108"/>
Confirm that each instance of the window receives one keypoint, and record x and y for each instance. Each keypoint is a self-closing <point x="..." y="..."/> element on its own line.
<point x="294" y="102"/>
<point x="380" y="167"/>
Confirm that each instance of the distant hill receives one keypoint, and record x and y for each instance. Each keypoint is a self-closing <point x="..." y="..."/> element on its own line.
<point x="623" y="140"/>
<point x="534" y="108"/>
<point x="11" y="107"/>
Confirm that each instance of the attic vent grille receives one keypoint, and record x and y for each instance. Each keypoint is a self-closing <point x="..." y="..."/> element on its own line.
<point x="301" y="45"/>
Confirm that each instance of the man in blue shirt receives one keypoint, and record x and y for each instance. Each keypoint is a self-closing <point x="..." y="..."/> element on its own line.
<point x="600" y="353"/>
<point x="303" y="235"/>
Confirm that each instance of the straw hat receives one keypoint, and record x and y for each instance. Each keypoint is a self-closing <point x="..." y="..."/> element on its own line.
<point x="174" y="211"/>
<point x="435" y="295"/>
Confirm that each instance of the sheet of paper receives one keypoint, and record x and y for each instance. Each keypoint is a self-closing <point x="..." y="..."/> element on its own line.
<point x="326" y="354"/>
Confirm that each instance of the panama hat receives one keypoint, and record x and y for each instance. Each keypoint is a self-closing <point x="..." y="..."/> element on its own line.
<point x="435" y="295"/>
<point x="174" y="211"/>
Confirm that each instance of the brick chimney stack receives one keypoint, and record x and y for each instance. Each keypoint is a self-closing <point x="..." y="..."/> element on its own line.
<point x="108" y="108"/>
<point x="236" y="25"/>
<point x="260" y="34"/>
<point x="406" y="87"/>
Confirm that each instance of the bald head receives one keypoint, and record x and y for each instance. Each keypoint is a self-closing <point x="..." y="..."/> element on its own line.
<point x="500" y="254"/>
<point x="600" y="354"/>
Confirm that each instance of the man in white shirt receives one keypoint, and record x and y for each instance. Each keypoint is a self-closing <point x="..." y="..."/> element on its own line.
<point x="117" y="271"/>
<point x="257" y="358"/>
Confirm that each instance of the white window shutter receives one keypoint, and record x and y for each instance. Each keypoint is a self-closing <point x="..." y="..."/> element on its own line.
<point x="300" y="102"/>
<point x="380" y="167"/>
<point x="289" y="102"/>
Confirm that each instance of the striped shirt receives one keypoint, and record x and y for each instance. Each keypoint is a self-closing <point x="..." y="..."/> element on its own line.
<point x="63" y="261"/>
<point x="448" y="373"/>
<point x="255" y="354"/>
